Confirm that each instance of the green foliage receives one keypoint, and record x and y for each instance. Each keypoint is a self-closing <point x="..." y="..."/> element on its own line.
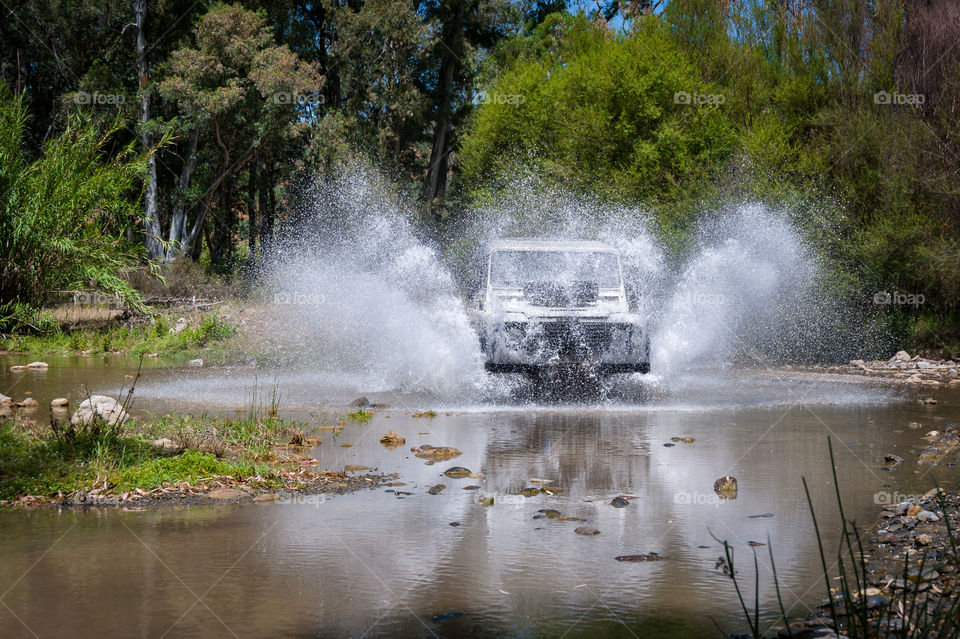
<point x="63" y="214"/>
<point x="138" y="339"/>
<point x="189" y="466"/>
<point x="361" y="416"/>
<point x="602" y="115"/>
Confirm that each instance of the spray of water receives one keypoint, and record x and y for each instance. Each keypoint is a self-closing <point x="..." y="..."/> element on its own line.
<point x="372" y="297"/>
<point x="360" y="293"/>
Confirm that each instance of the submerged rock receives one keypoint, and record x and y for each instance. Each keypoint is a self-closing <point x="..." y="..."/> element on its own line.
<point x="438" y="453"/>
<point x="392" y="440"/>
<point x="436" y="490"/>
<point x="106" y="408"/>
<point x="652" y="556"/>
<point x="586" y="531"/>
<point x="726" y="487"/>
<point x="38" y="365"/>
<point x="620" y="502"/>
<point x="548" y="513"/>
<point x="892" y="459"/>
<point x="29" y="402"/>
<point x="457" y="472"/>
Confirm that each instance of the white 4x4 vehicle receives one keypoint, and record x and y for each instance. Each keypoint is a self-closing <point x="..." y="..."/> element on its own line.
<point x="558" y="305"/>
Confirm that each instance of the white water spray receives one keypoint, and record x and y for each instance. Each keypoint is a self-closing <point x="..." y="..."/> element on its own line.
<point x="363" y="297"/>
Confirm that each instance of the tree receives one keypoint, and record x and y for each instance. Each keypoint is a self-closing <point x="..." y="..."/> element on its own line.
<point x="235" y="92"/>
<point x="63" y="213"/>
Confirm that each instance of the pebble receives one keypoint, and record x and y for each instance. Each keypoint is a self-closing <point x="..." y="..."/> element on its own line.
<point x="586" y="531"/>
<point x="620" y="502"/>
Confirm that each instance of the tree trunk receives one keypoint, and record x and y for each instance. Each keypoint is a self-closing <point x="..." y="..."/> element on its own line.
<point x="268" y="208"/>
<point x="178" y="224"/>
<point x="151" y="225"/>
<point x="452" y="40"/>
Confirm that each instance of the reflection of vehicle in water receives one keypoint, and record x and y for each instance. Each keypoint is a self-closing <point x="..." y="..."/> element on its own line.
<point x="558" y="306"/>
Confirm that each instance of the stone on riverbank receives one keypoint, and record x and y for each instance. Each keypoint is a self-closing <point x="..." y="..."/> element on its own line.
<point x="106" y="408"/>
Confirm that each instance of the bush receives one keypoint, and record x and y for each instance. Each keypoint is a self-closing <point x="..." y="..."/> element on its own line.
<point x="63" y="214"/>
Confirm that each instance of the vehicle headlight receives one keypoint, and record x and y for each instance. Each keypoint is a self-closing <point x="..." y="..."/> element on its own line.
<point x="514" y="332"/>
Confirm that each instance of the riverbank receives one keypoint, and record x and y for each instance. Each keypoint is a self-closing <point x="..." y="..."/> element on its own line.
<point x="901" y="575"/>
<point x="167" y="460"/>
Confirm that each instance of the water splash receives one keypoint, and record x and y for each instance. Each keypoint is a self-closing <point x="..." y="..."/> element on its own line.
<point x="361" y="293"/>
<point x="364" y="293"/>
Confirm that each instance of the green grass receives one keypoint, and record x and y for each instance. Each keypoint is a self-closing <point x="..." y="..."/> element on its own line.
<point x="190" y="466"/>
<point x="136" y="340"/>
<point x="361" y="416"/>
<point x="44" y="460"/>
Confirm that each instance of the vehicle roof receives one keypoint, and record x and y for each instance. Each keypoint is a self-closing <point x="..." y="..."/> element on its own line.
<point x="547" y="244"/>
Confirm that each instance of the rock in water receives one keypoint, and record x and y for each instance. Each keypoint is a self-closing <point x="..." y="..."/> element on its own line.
<point x="60" y="401"/>
<point x="652" y="556"/>
<point x="360" y="402"/>
<point x="106" y="408"/>
<point x="619" y="502"/>
<point x="586" y="530"/>
<point x="457" y="472"/>
<point x="438" y="453"/>
<point x="726" y="487"/>
<point x="4" y="400"/>
<point x="38" y="365"/>
<point x="436" y="490"/>
<point x="393" y="439"/>
<point x="29" y="402"/>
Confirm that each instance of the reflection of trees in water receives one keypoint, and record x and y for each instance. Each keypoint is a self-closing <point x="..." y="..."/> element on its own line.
<point x="587" y="453"/>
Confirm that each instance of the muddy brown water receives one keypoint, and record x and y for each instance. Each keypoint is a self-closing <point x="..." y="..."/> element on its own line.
<point x="375" y="564"/>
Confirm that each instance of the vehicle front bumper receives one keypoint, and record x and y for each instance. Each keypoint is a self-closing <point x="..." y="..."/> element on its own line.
<point x="527" y="346"/>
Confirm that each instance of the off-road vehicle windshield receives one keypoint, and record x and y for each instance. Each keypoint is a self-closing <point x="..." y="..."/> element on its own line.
<point x="517" y="268"/>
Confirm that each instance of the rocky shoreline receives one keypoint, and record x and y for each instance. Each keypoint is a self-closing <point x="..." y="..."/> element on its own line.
<point x="903" y="368"/>
<point x="911" y="564"/>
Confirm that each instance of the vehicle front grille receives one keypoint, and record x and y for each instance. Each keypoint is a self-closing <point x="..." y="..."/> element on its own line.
<point x="553" y="295"/>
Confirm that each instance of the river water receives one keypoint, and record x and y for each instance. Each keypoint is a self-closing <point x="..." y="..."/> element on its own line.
<point x="373" y="563"/>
